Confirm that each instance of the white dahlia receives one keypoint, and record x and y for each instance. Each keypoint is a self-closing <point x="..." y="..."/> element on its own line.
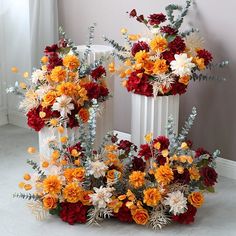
<point x="37" y="75"/>
<point x="97" y="169"/>
<point x="63" y="105"/>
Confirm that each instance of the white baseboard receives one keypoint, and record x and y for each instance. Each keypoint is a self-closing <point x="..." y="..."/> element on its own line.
<point x="226" y="168"/>
<point x="3" y="117"/>
<point x="17" y="118"/>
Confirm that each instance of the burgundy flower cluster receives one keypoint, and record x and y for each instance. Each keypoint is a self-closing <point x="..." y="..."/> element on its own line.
<point x="95" y="91"/>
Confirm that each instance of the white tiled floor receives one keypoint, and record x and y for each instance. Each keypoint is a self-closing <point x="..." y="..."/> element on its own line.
<point x="216" y="217"/>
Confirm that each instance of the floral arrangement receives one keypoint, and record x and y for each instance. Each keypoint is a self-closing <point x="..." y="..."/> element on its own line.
<point x="163" y="60"/>
<point x="163" y="181"/>
<point x="64" y="89"/>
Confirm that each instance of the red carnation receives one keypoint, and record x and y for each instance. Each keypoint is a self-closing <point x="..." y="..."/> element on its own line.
<point x="145" y="151"/>
<point x="177" y="45"/>
<point x="51" y="49"/>
<point x="73" y="213"/>
<point x="98" y="72"/>
<point x="209" y="176"/>
<point x="201" y="151"/>
<point x="53" y="61"/>
<point x="126" y="145"/>
<point x="168" y="30"/>
<point x="139" y="46"/>
<point x="206" y="55"/>
<point x="92" y="90"/>
<point x="187" y="217"/>
<point x="168" y="56"/>
<point x="156" y="19"/>
<point x="161" y="160"/>
<point x="183" y="178"/>
<point x="34" y="120"/>
<point x="103" y="91"/>
<point x="133" y="13"/>
<point x="163" y="140"/>
<point x="178" y="88"/>
<point x="124" y="214"/>
<point x="138" y="164"/>
<point x="140" y="18"/>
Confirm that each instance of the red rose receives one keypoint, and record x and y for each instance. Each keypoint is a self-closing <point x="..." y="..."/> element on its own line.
<point x="73" y="212"/>
<point x="177" y="45"/>
<point x="168" y="30"/>
<point x="34" y="120"/>
<point x="187" y="217"/>
<point x="98" y="72"/>
<point x="124" y="214"/>
<point x="209" y="176"/>
<point x="183" y="178"/>
<point x="145" y="151"/>
<point x="164" y="141"/>
<point x="168" y="56"/>
<point x="178" y="88"/>
<point x="156" y="19"/>
<point x="205" y="55"/>
<point x="139" y="46"/>
<point x="138" y="164"/>
<point x="201" y="151"/>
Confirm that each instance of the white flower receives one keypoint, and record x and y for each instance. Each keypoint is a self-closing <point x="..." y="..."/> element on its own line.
<point x="177" y="202"/>
<point x="37" y="75"/>
<point x="145" y="39"/>
<point x="193" y="42"/>
<point x="155" y="31"/>
<point x="42" y="90"/>
<point x="63" y="105"/>
<point x="101" y="197"/>
<point x="97" y="169"/>
<point x="182" y="65"/>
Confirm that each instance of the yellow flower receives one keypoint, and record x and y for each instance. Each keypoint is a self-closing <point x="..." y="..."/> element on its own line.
<point x="184" y="79"/>
<point x="111" y="67"/>
<point x="67" y="88"/>
<point x="141" y="56"/>
<point x="194" y="173"/>
<point x="134" y="37"/>
<point x="72" y="192"/>
<point x="45" y="164"/>
<point x="137" y="179"/>
<point x="58" y="74"/>
<point x="55" y="155"/>
<point x="49" y="202"/>
<point x="23" y="85"/>
<point x="164" y="174"/>
<point x="25" y="74"/>
<point x="84" y="114"/>
<point x="54" y="122"/>
<point x="60" y="129"/>
<point x="200" y="63"/>
<point x="74" y="153"/>
<point x="52" y="185"/>
<point x="158" y="44"/>
<point x="31" y="150"/>
<point x="123" y="30"/>
<point x="196" y="199"/>
<point x="140" y="216"/>
<point x="165" y="153"/>
<point x="180" y="169"/>
<point x="77" y="162"/>
<point x="21" y="185"/>
<point x="49" y="98"/>
<point x="44" y="59"/>
<point x="148" y="137"/>
<point x="14" y="69"/>
<point x="184" y="145"/>
<point x="27" y="176"/>
<point x="115" y="205"/>
<point x="160" y="66"/>
<point x="64" y="139"/>
<point x="78" y="174"/>
<point x="27" y="187"/>
<point x="111" y="148"/>
<point x="71" y="61"/>
<point x="157" y="145"/>
<point x="151" y="197"/>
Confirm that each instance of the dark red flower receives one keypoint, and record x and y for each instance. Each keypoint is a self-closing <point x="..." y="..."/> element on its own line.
<point x="187" y="217"/>
<point x="73" y="212"/>
<point x="140" y="18"/>
<point x="145" y="151"/>
<point x="92" y="90"/>
<point x="62" y="43"/>
<point x="126" y="146"/>
<point x="178" y="88"/>
<point x="156" y="19"/>
<point x="206" y="55"/>
<point x="177" y="45"/>
<point x="201" y="151"/>
<point x="51" y="49"/>
<point x="77" y="147"/>
<point x="163" y="140"/>
<point x="168" y="56"/>
<point x="183" y="178"/>
<point x="168" y="30"/>
<point x="209" y="176"/>
<point x="103" y="91"/>
<point x="54" y="60"/>
<point x="114" y="139"/>
<point x="34" y="121"/>
<point x="133" y="13"/>
<point x="124" y="214"/>
<point x="140" y="45"/>
<point x="138" y="85"/>
<point x="189" y="143"/>
<point x="138" y="164"/>
<point x="160" y="160"/>
<point x="98" y="72"/>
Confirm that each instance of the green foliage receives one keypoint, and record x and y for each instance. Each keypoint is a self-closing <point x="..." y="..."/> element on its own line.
<point x="27" y="196"/>
<point x="114" y="44"/>
<point x="36" y="167"/>
<point x="202" y="77"/>
<point x="55" y="211"/>
<point x="90" y="41"/>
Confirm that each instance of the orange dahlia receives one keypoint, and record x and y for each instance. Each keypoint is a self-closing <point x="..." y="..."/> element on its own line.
<point x="137" y="179"/>
<point x="52" y="185"/>
<point x="72" y="193"/>
<point x="164" y="174"/>
<point x="151" y="197"/>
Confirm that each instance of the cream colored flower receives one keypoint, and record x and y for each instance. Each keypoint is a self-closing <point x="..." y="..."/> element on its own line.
<point x="63" y="105"/>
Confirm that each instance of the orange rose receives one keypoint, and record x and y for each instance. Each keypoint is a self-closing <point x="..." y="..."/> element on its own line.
<point x="49" y="202"/>
<point x="184" y="79"/>
<point x="113" y="174"/>
<point x="79" y="173"/>
<point x="84" y="197"/>
<point x="84" y="115"/>
<point x="196" y="199"/>
<point x="140" y="216"/>
<point x="49" y="98"/>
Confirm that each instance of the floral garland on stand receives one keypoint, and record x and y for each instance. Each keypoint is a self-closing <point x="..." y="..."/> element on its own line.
<point x="164" y="60"/>
<point x="161" y="182"/>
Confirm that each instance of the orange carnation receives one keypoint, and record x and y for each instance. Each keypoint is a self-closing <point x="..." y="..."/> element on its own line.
<point x="49" y="202"/>
<point x="67" y="88"/>
<point x="137" y="179"/>
<point x="160" y="66"/>
<point x="158" y="44"/>
<point x="196" y="199"/>
<point x="72" y="193"/>
<point x="58" y="74"/>
<point x="71" y="61"/>
<point x="52" y="185"/>
<point x="68" y="173"/>
<point x="84" y="115"/>
<point x="164" y="174"/>
<point x="140" y="216"/>
<point x="49" y="98"/>
<point x="141" y="56"/>
<point x="184" y="79"/>
<point x="151" y="197"/>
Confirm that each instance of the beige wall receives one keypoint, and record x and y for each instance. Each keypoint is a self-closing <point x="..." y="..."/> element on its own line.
<point x="215" y="125"/>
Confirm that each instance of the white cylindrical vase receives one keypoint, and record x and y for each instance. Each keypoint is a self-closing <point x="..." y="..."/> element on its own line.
<point x="151" y="114"/>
